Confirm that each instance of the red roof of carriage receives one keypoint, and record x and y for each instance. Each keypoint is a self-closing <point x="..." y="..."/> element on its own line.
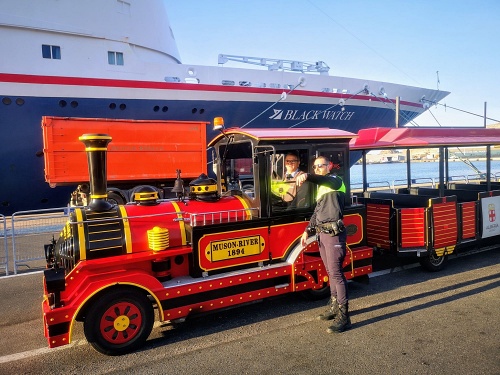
<point x="380" y="138"/>
<point x="287" y="134"/>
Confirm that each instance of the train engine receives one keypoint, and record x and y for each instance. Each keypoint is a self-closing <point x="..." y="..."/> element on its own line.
<point x="223" y="242"/>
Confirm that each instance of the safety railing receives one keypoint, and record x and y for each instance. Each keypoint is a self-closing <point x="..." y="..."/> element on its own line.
<point x="30" y="231"/>
<point x="219" y="217"/>
<point x="4" y="252"/>
<point x="424" y="181"/>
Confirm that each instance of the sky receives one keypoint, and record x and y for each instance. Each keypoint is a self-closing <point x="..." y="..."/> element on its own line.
<point x="453" y="45"/>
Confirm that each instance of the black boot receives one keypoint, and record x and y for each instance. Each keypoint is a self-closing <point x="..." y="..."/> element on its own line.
<point x="332" y="310"/>
<point x="342" y="321"/>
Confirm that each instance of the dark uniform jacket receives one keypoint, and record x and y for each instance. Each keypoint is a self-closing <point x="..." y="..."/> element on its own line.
<point x="330" y="205"/>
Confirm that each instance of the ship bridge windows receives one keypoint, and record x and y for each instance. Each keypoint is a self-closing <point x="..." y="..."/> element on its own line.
<point x="51" y="52"/>
<point x="115" y="58"/>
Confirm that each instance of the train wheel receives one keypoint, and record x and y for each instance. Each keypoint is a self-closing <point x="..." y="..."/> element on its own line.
<point x="115" y="198"/>
<point x="433" y="262"/>
<point x="119" y="322"/>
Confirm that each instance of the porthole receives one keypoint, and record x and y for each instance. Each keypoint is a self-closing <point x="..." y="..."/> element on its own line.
<point x="112" y="105"/>
<point x="202" y="111"/>
<point x="122" y="106"/>
<point x="179" y="259"/>
<point x="164" y="109"/>
<point x="156" y="108"/>
<point x="62" y="103"/>
<point x="20" y="101"/>
<point x="194" y="110"/>
<point x="74" y="104"/>
<point x="6" y="101"/>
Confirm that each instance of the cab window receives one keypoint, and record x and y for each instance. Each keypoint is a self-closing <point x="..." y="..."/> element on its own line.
<point x="285" y="194"/>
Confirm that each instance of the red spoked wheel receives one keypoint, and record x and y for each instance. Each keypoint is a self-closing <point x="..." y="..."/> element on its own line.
<point x="119" y="322"/>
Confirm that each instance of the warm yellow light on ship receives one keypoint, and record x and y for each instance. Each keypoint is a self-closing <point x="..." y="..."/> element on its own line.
<point x="218" y="123"/>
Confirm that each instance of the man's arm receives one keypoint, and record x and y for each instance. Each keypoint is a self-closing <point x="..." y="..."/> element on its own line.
<point x="331" y="181"/>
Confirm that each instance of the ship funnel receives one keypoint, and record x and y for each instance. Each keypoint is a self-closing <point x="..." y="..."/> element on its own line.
<point x="96" y="146"/>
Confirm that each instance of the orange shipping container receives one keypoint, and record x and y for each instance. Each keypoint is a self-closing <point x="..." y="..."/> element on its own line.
<point x="141" y="150"/>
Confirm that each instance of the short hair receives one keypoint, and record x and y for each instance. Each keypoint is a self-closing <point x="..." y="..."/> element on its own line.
<point x="327" y="159"/>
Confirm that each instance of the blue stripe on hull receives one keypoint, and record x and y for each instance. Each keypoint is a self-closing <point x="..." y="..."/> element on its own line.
<point x="23" y="184"/>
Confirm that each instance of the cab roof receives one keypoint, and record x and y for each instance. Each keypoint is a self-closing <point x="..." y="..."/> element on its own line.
<point x="385" y="138"/>
<point x="288" y="135"/>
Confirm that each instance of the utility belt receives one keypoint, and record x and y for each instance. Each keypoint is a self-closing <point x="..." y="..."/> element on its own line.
<point x="333" y="228"/>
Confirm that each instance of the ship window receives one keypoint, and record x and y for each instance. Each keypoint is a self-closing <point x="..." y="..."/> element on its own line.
<point x="274" y="85"/>
<point x="227" y="82"/>
<point x="172" y="79"/>
<point x="191" y="80"/>
<point x="51" y="52"/>
<point x="115" y="58"/>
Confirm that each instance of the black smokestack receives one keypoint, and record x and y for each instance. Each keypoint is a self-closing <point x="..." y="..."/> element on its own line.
<point x="96" y="146"/>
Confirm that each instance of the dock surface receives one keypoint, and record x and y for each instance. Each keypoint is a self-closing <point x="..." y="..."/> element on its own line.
<point x="406" y="322"/>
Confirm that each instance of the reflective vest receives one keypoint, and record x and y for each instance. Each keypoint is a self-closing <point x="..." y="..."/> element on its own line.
<point x="322" y="190"/>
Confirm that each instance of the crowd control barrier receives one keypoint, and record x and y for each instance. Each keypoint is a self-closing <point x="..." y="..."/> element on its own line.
<point x="31" y="230"/>
<point x="4" y="252"/>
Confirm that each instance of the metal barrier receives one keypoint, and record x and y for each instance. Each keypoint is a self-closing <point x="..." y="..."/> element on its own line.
<point x="4" y="252"/>
<point x="31" y="230"/>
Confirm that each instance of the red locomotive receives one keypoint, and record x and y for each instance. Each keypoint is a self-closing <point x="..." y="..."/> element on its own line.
<point x="228" y="241"/>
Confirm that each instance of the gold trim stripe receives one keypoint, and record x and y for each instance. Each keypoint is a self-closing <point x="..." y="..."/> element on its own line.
<point x="245" y="206"/>
<point x="93" y="136"/>
<point x="81" y="234"/>
<point x="126" y="229"/>
<point x="182" y="226"/>
<point x="96" y="149"/>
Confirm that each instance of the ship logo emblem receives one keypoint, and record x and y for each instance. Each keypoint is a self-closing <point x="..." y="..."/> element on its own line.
<point x="491" y="213"/>
<point x="277" y="114"/>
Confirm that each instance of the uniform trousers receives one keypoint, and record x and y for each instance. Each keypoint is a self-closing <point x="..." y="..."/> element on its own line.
<point x="333" y="251"/>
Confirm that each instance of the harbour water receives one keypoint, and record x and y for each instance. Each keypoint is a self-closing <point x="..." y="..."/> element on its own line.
<point x="391" y="172"/>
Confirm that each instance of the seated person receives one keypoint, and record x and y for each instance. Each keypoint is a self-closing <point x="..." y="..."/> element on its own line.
<point x="292" y="195"/>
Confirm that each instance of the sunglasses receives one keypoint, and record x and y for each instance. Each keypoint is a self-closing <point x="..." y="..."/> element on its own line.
<point x="291" y="161"/>
<point x="316" y="166"/>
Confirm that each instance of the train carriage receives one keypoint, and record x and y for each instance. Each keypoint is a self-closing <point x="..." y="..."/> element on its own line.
<point x="431" y="222"/>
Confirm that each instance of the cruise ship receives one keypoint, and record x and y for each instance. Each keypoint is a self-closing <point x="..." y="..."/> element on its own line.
<point x="119" y="59"/>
